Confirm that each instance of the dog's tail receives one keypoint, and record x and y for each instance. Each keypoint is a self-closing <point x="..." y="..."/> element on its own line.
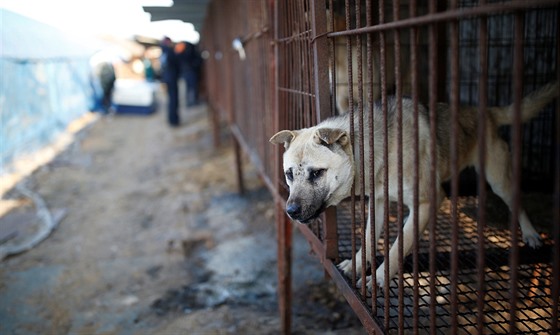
<point x="531" y="105"/>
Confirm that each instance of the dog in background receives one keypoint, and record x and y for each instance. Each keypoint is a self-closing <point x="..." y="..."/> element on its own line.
<point x="319" y="165"/>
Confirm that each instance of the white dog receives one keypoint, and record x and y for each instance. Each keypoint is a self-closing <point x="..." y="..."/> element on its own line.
<point x="319" y="165"/>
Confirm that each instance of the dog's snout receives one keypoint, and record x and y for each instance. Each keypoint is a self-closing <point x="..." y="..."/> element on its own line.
<point x="293" y="209"/>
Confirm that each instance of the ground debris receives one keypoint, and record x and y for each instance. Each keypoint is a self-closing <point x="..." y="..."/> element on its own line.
<point x="190" y="298"/>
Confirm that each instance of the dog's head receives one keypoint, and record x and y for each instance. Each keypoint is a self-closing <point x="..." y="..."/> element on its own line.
<point x="318" y="166"/>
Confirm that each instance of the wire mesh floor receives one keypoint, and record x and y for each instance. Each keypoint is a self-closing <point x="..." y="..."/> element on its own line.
<point x="534" y="302"/>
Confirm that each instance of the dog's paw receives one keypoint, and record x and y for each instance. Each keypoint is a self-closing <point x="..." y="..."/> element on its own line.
<point x="369" y="283"/>
<point x="380" y="278"/>
<point x="346" y="267"/>
<point x="533" y="240"/>
<point x="359" y="282"/>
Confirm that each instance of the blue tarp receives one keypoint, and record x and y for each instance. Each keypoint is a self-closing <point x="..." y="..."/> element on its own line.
<point x="44" y="78"/>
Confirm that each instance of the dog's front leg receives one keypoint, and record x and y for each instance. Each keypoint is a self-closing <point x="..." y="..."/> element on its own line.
<point x="408" y="239"/>
<point x="346" y="265"/>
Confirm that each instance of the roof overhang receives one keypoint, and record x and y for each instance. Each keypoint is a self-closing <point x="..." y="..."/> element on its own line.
<point x="192" y="11"/>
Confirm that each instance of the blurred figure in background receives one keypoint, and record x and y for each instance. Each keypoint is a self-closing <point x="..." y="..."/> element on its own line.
<point x="170" y="70"/>
<point x="149" y="73"/>
<point x="103" y="82"/>
<point x="191" y="63"/>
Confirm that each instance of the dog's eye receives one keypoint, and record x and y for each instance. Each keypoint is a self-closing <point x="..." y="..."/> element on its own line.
<point x="290" y="175"/>
<point x="316" y="174"/>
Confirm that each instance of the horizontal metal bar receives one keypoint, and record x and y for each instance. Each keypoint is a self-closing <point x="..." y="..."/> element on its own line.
<point x="283" y="89"/>
<point x="297" y="36"/>
<point x="450" y="15"/>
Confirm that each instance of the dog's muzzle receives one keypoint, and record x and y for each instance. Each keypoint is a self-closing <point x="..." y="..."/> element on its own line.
<point x="295" y="212"/>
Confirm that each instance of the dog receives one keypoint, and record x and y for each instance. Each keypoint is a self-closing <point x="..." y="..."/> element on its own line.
<point x="319" y="165"/>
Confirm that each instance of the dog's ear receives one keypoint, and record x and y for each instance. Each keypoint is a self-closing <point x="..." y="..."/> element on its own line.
<point x="283" y="136"/>
<point x="328" y="136"/>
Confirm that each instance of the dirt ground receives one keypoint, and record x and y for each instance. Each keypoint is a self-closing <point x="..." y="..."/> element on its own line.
<point x="154" y="239"/>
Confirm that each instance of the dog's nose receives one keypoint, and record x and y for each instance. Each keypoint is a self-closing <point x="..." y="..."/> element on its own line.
<point x="293" y="210"/>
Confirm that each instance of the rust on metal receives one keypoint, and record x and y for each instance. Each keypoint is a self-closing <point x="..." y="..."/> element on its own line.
<point x="464" y="273"/>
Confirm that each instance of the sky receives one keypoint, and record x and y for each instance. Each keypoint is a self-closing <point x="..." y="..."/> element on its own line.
<point x="97" y="17"/>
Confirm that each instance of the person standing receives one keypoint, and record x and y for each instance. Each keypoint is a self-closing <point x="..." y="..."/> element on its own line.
<point x="102" y="78"/>
<point x="170" y="75"/>
<point x="107" y="78"/>
<point x="191" y="63"/>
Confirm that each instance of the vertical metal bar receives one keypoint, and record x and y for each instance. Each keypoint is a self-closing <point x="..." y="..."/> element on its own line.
<point x="230" y="107"/>
<point x="271" y="49"/>
<point x="382" y="69"/>
<point x="304" y="59"/>
<point x="332" y="55"/>
<point x="282" y="222"/>
<point x="278" y="119"/>
<point x="482" y="105"/>
<point x="361" y="149"/>
<point x="351" y="113"/>
<point x="433" y="82"/>
<point x="300" y="44"/>
<point x="454" y="105"/>
<point x="296" y="58"/>
<point x="331" y="233"/>
<point x="516" y="143"/>
<point x="295" y="118"/>
<point x="555" y="289"/>
<point x="234" y="120"/>
<point x="349" y="60"/>
<point x="209" y="73"/>
<point x="415" y="135"/>
<point x="372" y="209"/>
<point x="442" y="54"/>
<point x="400" y="149"/>
<point x="284" y="229"/>
<point x="239" y="167"/>
<point x="323" y="104"/>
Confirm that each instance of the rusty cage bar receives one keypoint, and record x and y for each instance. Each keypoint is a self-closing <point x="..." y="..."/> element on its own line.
<point x="277" y="65"/>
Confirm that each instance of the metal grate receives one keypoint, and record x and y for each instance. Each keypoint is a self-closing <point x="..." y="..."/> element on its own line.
<point x="466" y="275"/>
<point x="534" y="310"/>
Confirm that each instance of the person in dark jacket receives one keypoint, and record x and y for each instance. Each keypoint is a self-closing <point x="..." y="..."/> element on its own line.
<point x="107" y="78"/>
<point x="191" y="63"/>
<point x="102" y="79"/>
<point x="170" y="75"/>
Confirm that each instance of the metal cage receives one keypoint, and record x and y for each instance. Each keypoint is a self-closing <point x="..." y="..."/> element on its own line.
<point x="296" y="63"/>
